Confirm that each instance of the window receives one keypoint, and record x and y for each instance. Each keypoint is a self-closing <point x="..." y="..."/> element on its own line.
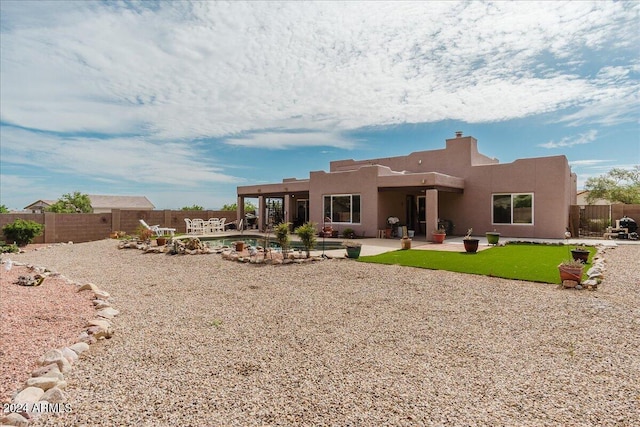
<point x="513" y="208"/>
<point x="343" y="208"/>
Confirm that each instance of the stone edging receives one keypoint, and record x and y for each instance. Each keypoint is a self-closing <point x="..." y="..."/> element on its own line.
<point x="44" y="391"/>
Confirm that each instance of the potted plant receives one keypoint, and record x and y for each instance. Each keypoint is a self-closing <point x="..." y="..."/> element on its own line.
<point x="161" y="240"/>
<point x="144" y="234"/>
<point x="438" y="235"/>
<point x="580" y="253"/>
<point x="353" y="249"/>
<point x="392" y="223"/>
<point x="348" y="233"/>
<point x="405" y="243"/>
<point x="470" y="244"/>
<point x="571" y="269"/>
<point x="492" y="237"/>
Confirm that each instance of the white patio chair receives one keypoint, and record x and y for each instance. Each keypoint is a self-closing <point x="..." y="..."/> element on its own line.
<point x="189" y="225"/>
<point x="157" y="230"/>
<point x="197" y="225"/>
<point x="220" y="225"/>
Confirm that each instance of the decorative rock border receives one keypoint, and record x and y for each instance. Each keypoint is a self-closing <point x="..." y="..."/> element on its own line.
<point x="44" y="391"/>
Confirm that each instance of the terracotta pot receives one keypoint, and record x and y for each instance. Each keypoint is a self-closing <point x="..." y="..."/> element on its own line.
<point x="471" y="245"/>
<point x="387" y="233"/>
<point x="239" y="246"/>
<point x="161" y="241"/>
<point x="570" y="273"/>
<point x="438" y="238"/>
<point x="406" y="243"/>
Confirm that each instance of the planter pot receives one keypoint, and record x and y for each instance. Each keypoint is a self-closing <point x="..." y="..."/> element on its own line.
<point x="406" y="243"/>
<point x="113" y="235"/>
<point x="471" y="245"/>
<point x="387" y="233"/>
<point x="353" y="252"/>
<point x="570" y="273"/>
<point x="411" y="233"/>
<point x="580" y="255"/>
<point x="161" y="241"/>
<point x="239" y="246"/>
<point x="493" y="238"/>
<point x="438" y="238"/>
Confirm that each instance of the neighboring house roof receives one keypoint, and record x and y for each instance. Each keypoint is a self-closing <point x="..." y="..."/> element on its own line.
<point x="120" y="202"/>
<point x="104" y="202"/>
<point x="39" y="204"/>
<point x="581" y="197"/>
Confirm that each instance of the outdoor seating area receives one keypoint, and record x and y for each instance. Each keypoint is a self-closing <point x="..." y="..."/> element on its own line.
<point x="210" y="226"/>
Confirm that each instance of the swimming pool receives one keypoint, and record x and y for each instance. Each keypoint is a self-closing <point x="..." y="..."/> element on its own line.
<point x="257" y="240"/>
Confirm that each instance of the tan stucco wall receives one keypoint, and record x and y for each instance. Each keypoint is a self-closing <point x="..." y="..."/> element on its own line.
<point x="471" y="177"/>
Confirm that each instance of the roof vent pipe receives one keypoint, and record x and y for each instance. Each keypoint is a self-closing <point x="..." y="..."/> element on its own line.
<point x="458" y="134"/>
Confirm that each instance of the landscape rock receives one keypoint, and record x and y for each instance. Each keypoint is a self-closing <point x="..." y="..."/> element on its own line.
<point x="101" y="294"/>
<point x="80" y="347"/>
<point x="29" y="395"/>
<point x="45" y="383"/>
<point x="569" y="283"/>
<point x="54" y="395"/>
<point x="88" y="286"/>
<point x="46" y="369"/>
<point x="14" y="419"/>
<point x="108" y="313"/>
<point x="70" y="355"/>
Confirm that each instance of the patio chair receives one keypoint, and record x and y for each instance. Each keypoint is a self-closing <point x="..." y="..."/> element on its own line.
<point x="188" y="225"/>
<point x="157" y="230"/>
<point x="197" y="225"/>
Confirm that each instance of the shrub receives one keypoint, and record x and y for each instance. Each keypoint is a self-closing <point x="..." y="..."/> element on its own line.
<point x="307" y="235"/>
<point x="348" y="233"/>
<point x="282" y="236"/>
<point x="8" y="248"/>
<point x="21" y="231"/>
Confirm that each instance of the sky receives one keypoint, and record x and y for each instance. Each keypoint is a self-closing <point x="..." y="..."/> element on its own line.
<point x="182" y="102"/>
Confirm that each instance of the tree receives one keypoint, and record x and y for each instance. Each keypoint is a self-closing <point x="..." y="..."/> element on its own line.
<point x="248" y="207"/>
<point x="192" y="208"/>
<point x="618" y="186"/>
<point x="4" y="209"/>
<point x="72" y="203"/>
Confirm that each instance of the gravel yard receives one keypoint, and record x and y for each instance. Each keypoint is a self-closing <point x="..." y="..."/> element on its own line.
<point x="204" y="342"/>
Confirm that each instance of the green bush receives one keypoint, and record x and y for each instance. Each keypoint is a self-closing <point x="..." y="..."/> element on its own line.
<point x="21" y="231"/>
<point x="7" y="249"/>
<point x="307" y="235"/>
<point x="282" y="235"/>
<point x="348" y="233"/>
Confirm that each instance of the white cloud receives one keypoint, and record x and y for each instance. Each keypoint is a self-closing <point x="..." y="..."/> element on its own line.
<point x="282" y="140"/>
<point x="111" y="160"/>
<point x="190" y="70"/>
<point x="570" y="141"/>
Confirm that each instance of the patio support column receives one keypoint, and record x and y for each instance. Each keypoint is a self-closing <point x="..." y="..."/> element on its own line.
<point x="431" y="212"/>
<point x="240" y="212"/>
<point x="261" y="212"/>
<point x="287" y="207"/>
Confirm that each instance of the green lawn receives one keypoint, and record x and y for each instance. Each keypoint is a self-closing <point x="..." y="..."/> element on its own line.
<point x="531" y="262"/>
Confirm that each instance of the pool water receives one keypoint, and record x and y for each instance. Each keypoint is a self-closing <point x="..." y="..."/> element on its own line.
<point x="273" y="244"/>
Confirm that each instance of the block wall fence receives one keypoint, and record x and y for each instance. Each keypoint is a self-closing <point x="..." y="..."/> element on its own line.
<point x="78" y="228"/>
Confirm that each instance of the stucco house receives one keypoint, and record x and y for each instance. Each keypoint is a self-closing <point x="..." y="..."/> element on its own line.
<point x="101" y="203"/>
<point x="456" y="186"/>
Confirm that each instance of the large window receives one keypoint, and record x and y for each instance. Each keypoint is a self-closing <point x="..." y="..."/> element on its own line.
<point x="513" y="208"/>
<point x="343" y="208"/>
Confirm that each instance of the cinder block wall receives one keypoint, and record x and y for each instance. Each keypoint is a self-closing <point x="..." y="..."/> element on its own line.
<point x="80" y="228"/>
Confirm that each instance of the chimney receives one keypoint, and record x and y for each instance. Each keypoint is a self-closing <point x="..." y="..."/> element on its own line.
<point x="459" y="134"/>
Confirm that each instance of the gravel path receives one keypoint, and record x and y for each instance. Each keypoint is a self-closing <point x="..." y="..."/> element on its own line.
<point x="203" y="342"/>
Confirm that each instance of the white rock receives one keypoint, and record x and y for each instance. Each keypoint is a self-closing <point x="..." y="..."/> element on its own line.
<point x="54" y="395"/>
<point x="108" y="313"/>
<point x="46" y="369"/>
<point x="101" y="294"/>
<point x="51" y="356"/>
<point x="14" y="419"/>
<point x="80" y="347"/>
<point x="88" y="287"/>
<point x="29" y="395"/>
<point x="70" y="355"/>
<point x="45" y="383"/>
